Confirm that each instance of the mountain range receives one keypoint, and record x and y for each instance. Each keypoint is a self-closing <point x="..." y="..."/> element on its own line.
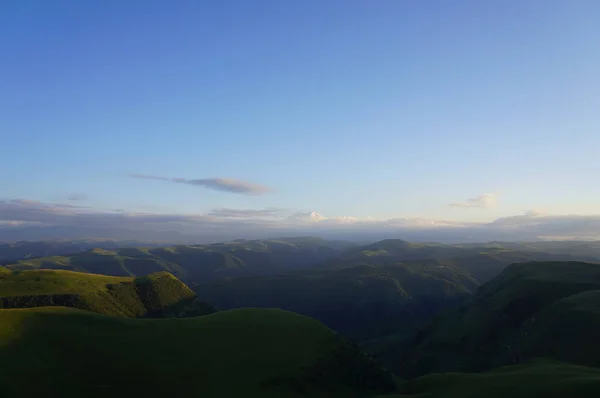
<point x="386" y="319"/>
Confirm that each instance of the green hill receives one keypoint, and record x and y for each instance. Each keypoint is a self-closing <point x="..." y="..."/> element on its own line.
<point x="157" y="294"/>
<point x="567" y="329"/>
<point x="360" y="302"/>
<point x="535" y="379"/>
<point x="63" y="352"/>
<point x="530" y="310"/>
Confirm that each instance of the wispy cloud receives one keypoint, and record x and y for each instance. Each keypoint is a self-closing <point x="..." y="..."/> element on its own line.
<point x="24" y="202"/>
<point x="485" y="201"/>
<point x="243" y="213"/>
<point x="77" y="196"/>
<point x="219" y="184"/>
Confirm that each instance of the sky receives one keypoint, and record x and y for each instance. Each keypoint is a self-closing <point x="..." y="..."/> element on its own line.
<point x="266" y="111"/>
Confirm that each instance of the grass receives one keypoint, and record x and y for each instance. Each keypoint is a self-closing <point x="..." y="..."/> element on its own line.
<point x="535" y="379"/>
<point x="159" y="294"/>
<point x="54" y="282"/>
<point x="238" y="353"/>
<point x="566" y="330"/>
<point x="534" y="309"/>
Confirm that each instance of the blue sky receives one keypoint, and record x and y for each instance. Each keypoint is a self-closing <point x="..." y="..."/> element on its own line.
<point x="380" y="108"/>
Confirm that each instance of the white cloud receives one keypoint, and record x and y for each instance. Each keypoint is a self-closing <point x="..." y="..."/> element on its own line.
<point x="244" y="213"/>
<point x="26" y="219"/>
<point x="346" y="219"/>
<point x="535" y="213"/>
<point x="219" y="184"/>
<point x="311" y="217"/>
<point x="485" y="201"/>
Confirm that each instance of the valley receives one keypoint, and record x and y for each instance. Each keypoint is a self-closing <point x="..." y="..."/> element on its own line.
<point x="390" y="319"/>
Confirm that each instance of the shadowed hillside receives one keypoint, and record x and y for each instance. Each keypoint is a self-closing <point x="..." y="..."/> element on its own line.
<point x="535" y="379"/>
<point x="361" y="302"/>
<point x="239" y="353"/>
<point x="537" y="309"/>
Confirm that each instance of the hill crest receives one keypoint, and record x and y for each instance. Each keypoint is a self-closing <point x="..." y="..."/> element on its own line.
<point x="158" y="294"/>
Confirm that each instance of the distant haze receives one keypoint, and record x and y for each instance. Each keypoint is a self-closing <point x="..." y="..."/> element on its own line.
<point x="31" y="220"/>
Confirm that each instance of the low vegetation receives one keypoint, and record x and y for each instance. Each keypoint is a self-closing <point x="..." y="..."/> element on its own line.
<point x="537" y="309"/>
<point x="535" y="379"/>
<point x="239" y="353"/>
<point x="156" y="295"/>
<point x="430" y="313"/>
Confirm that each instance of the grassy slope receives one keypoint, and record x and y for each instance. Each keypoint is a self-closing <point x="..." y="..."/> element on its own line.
<point x="568" y="329"/>
<point x="54" y="282"/>
<point x="527" y="311"/>
<point x="120" y="296"/>
<point x="238" y="353"/>
<point x="536" y="379"/>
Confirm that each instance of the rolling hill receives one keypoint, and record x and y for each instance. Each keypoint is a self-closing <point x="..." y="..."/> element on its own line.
<point x="197" y="263"/>
<point x="155" y="295"/>
<point x="15" y="251"/>
<point x="249" y="353"/>
<point x="266" y="257"/>
<point x="534" y="379"/>
<point x="377" y="294"/>
<point x="483" y="261"/>
<point x="535" y="309"/>
<point x="530" y="331"/>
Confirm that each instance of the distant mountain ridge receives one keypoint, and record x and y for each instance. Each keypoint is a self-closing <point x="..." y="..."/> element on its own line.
<point x="482" y="260"/>
<point x="197" y="263"/>
<point x="372" y="287"/>
<point x="15" y="251"/>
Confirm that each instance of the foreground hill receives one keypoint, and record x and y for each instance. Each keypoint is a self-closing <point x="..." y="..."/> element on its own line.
<point x="539" y="379"/>
<point x="239" y="353"/>
<point x="360" y="302"/>
<point x="197" y="263"/>
<point x="536" y="309"/>
<point x="159" y="294"/>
